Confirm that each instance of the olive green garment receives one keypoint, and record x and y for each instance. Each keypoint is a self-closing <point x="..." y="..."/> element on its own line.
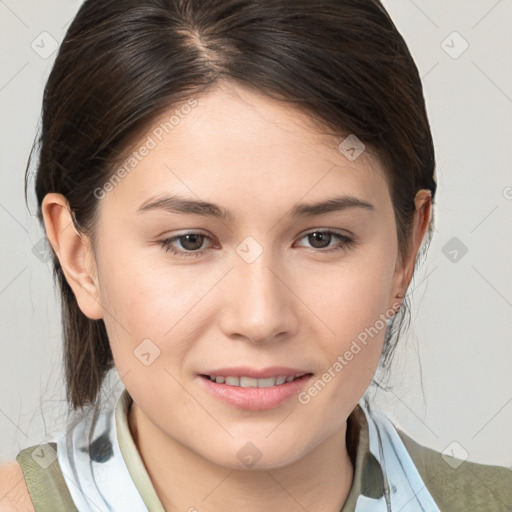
<point x="46" y="485"/>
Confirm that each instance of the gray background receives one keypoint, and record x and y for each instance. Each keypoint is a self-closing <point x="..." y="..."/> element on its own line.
<point x="452" y="379"/>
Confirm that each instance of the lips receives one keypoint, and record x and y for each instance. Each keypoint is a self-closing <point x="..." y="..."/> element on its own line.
<point x="254" y="389"/>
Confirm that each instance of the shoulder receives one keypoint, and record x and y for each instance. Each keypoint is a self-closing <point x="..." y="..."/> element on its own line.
<point x="460" y="485"/>
<point x="43" y="480"/>
<point x="14" y="494"/>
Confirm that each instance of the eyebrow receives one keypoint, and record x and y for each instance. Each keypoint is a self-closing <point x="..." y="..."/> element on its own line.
<point x="177" y="204"/>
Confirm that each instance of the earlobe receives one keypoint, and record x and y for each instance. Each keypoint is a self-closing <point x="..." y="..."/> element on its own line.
<point x="74" y="253"/>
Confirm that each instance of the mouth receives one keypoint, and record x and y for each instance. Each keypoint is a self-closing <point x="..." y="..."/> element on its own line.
<point x="260" y="390"/>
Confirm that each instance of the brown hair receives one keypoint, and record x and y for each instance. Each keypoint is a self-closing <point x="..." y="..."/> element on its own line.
<point x="124" y="62"/>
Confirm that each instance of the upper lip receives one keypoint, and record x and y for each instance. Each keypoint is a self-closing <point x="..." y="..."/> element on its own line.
<point x="262" y="373"/>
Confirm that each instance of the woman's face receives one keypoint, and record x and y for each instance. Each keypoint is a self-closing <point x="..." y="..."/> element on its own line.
<point x="275" y="287"/>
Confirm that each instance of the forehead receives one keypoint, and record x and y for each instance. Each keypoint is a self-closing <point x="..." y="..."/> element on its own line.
<point x="233" y="142"/>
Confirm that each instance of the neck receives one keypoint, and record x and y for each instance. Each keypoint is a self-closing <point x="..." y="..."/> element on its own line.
<point x="184" y="481"/>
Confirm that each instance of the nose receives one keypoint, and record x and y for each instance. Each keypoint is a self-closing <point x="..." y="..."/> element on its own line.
<point x="258" y="305"/>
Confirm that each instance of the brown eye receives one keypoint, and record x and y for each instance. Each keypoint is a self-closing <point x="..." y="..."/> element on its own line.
<point x="191" y="242"/>
<point x="186" y="245"/>
<point x="319" y="239"/>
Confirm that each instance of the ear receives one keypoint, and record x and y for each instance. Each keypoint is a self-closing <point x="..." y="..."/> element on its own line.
<point x="74" y="253"/>
<point x="404" y="269"/>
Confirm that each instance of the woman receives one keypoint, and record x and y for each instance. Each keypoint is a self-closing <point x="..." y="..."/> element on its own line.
<point x="236" y="193"/>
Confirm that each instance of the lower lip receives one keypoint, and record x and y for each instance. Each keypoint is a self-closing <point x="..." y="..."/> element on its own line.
<point x="256" y="399"/>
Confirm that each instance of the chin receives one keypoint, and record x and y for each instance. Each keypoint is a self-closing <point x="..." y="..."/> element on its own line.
<point x="253" y="456"/>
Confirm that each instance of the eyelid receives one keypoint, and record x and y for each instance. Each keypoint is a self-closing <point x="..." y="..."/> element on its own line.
<point x="333" y="231"/>
<point x="166" y="244"/>
<point x="345" y="241"/>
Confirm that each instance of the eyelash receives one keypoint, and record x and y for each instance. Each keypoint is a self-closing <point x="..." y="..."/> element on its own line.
<point x="345" y="243"/>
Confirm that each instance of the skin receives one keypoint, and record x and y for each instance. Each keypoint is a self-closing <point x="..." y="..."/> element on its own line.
<point x="292" y="306"/>
<point x="14" y="495"/>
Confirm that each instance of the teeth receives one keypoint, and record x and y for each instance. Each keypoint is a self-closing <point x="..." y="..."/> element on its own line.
<point x="269" y="382"/>
<point x="250" y="382"/>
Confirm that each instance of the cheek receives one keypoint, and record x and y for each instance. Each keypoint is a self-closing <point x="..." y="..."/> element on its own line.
<point x="353" y="307"/>
<point x="147" y="301"/>
<point x="355" y="292"/>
